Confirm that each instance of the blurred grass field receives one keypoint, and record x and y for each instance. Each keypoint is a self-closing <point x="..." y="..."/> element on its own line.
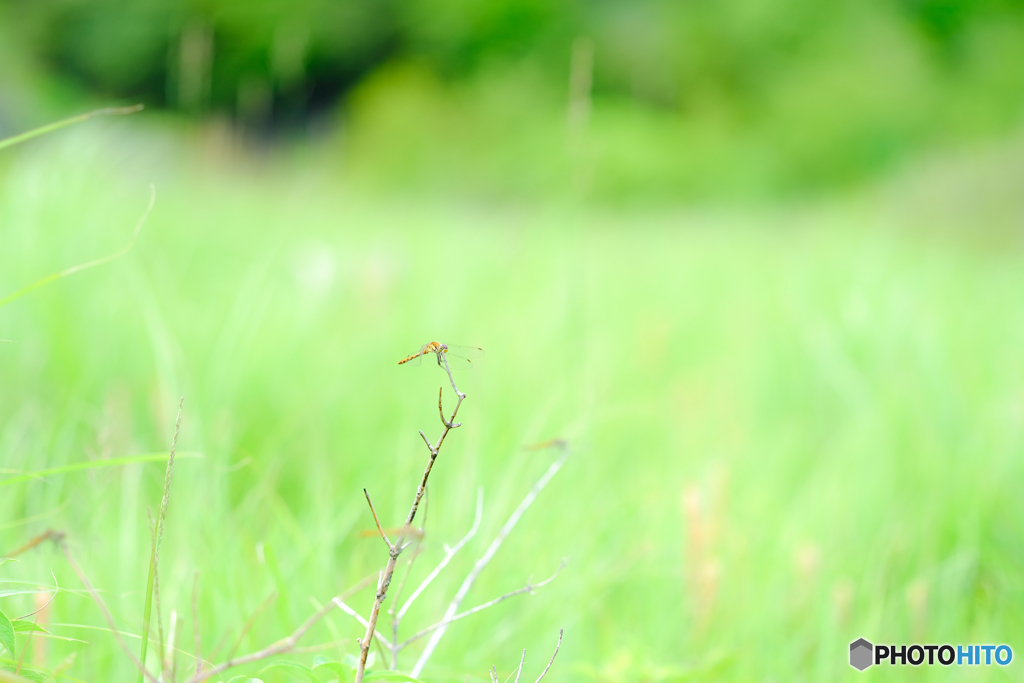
<point x="792" y="425"/>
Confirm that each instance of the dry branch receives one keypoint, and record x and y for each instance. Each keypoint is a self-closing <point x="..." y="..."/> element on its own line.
<point x="284" y="645"/>
<point x="557" y="646"/>
<point x="365" y="624"/>
<point x="519" y="671"/>
<point x="395" y="549"/>
<point x="449" y="554"/>
<point x="489" y="554"/>
<point x="528" y="588"/>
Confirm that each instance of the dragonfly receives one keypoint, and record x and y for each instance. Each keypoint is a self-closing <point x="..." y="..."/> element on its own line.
<point x="465" y="354"/>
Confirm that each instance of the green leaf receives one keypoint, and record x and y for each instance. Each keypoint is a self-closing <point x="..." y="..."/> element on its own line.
<point x="244" y="679"/>
<point x="6" y="676"/>
<point x="22" y="625"/>
<point x="7" y="634"/>
<point x="294" y="670"/>
<point x="390" y="676"/>
<point x="335" y="670"/>
<point x="31" y="675"/>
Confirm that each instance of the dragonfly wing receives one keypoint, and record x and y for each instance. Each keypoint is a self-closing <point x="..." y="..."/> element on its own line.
<point x="469" y="353"/>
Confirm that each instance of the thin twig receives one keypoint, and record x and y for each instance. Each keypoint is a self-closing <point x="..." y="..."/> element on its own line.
<point x="55" y="591"/>
<point x="528" y="588"/>
<point x="520" y="669"/>
<point x="449" y="554"/>
<point x="488" y="555"/>
<point x="377" y="521"/>
<point x="283" y="645"/>
<point x="545" y="672"/>
<point x="106" y="613"/>
<point x="195" y="624"/>
<point x="358" y="617"/>
<point x="398" y="592"/>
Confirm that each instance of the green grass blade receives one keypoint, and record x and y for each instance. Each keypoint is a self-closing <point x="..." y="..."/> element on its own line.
<point x="88" y="264"/>
<point x="50" y="127"/>
<point x="95" y="464"/>
<point x="154" y="555"/>
<point x="147" y="610"/>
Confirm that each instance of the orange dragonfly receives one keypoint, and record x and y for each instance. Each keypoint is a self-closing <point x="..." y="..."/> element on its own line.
<point x="465" y="354"/>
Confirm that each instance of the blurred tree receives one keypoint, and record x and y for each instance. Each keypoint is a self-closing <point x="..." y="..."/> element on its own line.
<point x="780" y="93"/>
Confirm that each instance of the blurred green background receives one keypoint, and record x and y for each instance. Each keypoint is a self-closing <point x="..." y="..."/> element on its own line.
<point x="760" y="263"/>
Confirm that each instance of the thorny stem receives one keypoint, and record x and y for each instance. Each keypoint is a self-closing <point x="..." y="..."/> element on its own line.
<point x="395" y="549"/>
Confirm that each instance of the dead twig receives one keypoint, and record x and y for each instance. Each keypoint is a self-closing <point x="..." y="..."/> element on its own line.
<point x="377" y="522"/>
<point x="520" y="669"/>
<point x="285" y="644"/>
<point x="557" y="646"/>
<point x="55" y="591"/>
<point x="528" y="588"/>
<point x="358" y="617"/>
<point x="395" y="549"/>
<point x="489" y="554"/>
<point x="449" y="554"/>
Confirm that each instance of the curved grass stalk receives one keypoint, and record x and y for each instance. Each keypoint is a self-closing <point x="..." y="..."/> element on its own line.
<point x="88" y="264"/>
<point x="71" y="120"/>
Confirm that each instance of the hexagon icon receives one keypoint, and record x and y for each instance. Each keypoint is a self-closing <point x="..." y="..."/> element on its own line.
<point x="861" y="654"/>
